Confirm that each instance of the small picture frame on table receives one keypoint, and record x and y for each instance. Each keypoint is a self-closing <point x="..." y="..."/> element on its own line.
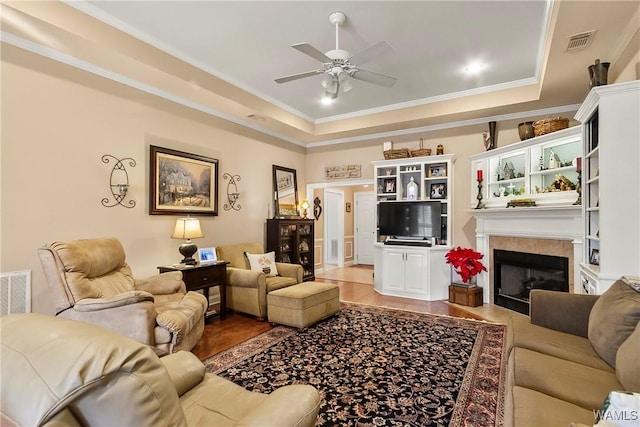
<point x="594" y="257"/>
<point x="207" y="255"/>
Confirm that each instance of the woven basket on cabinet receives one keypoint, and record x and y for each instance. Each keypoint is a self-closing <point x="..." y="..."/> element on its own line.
<point x="400" y="153"/>
<point x="420" y="152"/>
<point x="543" y="127"/>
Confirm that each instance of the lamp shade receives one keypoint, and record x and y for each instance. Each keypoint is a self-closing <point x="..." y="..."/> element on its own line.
<point x="187" y="228"/>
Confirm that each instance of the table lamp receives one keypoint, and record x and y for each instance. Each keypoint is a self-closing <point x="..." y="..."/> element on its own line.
<point x="305" y="205"/>
<point x="187" y="228"/>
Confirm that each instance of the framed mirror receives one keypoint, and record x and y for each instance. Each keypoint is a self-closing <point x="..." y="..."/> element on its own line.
<point x="285" y="188"/>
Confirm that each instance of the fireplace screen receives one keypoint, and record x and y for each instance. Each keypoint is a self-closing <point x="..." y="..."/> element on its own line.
<point x="517" y="273"/>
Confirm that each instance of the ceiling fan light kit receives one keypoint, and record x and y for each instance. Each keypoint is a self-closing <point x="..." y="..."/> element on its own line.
<point x="338" y="66"/>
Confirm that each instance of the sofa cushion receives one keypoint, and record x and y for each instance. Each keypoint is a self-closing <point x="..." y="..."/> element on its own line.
<point x="612" y="320"/>
<point x="628" y="362"/>
<point x="521" y="333"/>
<point x="220" y="402"/>
<point x="572" y="382"/>
<point x="279" y="282"/>
<point x="534" y="409"/>
<point x="263" y="262"/>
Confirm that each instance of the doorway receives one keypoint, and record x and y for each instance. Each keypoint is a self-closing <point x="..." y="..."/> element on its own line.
<point x="334" y="227"/>
<point x="322" y="241"/>
<point x="365" y="227"/>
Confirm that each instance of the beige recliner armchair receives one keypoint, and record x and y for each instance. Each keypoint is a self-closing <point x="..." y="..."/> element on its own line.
<point x="59" y="372"/>
<point x="247" y="289"/>
<point x="90" y="281"/>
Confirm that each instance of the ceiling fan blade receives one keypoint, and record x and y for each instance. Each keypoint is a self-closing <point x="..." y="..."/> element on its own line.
<point x="311" y="51"/>
<point x="375" y="78"/>
<point x="370" y="53"/>
<point x="299" y="76"/>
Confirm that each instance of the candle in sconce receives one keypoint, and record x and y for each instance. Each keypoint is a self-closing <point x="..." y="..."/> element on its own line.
<point x="578" y="164"/>
<point x="479" y="174"/>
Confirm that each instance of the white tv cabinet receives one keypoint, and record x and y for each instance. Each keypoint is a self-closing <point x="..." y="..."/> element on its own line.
<point x="412" y="271"/>
<point x="417" y="272"/>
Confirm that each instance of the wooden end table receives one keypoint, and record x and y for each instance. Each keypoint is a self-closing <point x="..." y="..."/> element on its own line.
<point x="202" y="277"/>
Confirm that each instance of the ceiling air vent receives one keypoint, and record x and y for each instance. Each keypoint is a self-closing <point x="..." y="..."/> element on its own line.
<point x="580" y="41"/>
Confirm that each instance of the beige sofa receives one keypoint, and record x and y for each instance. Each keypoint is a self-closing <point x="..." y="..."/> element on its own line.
<point x="570" y="355"/>
<point x="90" y="280"/>
<point x="247" y="289"/>
<point x="59" y="372"/>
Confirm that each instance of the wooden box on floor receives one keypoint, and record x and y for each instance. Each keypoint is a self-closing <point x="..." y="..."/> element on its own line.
<point x="471" y="297"/>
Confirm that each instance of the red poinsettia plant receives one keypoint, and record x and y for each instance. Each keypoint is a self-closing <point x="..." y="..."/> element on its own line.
<point x="465" y="262"/>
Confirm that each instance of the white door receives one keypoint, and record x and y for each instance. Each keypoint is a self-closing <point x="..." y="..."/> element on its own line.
<point x="334" y="227"/>
<point x="393" y="269"/>
<point x="365" y="226"/>
<point x="416" y="275"/>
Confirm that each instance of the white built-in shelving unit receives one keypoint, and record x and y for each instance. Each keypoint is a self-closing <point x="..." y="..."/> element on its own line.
<point x="610" y="117"/>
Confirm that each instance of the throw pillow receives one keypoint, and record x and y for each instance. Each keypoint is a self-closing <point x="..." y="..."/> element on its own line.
<point x="620" y="409"/>
<point x="263" y="262"/>
<point x="633" y="281"/>
<point x="612" y="320"/>
<point x="628" y="362"/>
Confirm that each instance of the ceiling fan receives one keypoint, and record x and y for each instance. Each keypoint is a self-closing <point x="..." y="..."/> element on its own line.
<point x="339" y="66"/>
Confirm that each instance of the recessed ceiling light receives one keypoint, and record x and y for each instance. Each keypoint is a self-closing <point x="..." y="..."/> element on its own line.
<point x="474" y="68"/>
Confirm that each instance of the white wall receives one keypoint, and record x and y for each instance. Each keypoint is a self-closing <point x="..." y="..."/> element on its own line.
<point x="54" y="133"/>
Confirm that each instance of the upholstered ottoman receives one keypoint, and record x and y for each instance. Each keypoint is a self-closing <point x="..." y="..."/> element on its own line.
<point x="303" y="304"/>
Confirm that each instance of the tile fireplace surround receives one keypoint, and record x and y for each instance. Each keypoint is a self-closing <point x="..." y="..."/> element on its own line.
<point x="547" y="230"/>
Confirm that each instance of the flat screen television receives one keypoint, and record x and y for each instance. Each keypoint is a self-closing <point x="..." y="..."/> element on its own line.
<point x="410" y="219"/>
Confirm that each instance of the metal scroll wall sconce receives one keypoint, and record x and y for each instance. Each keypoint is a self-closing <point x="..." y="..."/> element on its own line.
<point x="317" y="209"/>
<point x="232" y="192"/>
<point x="118" y="182"/>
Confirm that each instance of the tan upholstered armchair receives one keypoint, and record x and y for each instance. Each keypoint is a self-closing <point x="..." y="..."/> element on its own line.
<point x="247" y="289"/>
<point x="59" y="372"/>
<point x="90" y="280"/>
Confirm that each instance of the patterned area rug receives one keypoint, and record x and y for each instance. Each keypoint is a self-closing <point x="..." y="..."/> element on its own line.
<point x="376" y="366"/>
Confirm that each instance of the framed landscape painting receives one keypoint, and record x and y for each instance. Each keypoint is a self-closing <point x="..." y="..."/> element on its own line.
<point x="182" y="183"/>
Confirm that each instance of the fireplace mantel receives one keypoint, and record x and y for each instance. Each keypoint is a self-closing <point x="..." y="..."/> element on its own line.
<point x="537" y="222"/>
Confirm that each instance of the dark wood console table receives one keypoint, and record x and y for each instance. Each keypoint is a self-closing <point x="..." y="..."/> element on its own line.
<point x="202" y="277"/>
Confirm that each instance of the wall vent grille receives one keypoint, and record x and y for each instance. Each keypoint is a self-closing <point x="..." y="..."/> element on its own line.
<point x="334" y="248"/>
<point x="580" y="41"/>
<point x="15" y="292"/>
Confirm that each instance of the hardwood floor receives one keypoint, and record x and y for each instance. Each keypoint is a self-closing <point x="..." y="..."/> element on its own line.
<point x="356" y="285"/>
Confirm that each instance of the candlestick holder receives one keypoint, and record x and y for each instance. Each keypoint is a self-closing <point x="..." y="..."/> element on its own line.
<point x="579" y="189"/>
<point x="480" y="205"/>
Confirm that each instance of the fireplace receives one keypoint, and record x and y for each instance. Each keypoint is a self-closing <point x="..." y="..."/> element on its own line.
<point x="517" y="273"/>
